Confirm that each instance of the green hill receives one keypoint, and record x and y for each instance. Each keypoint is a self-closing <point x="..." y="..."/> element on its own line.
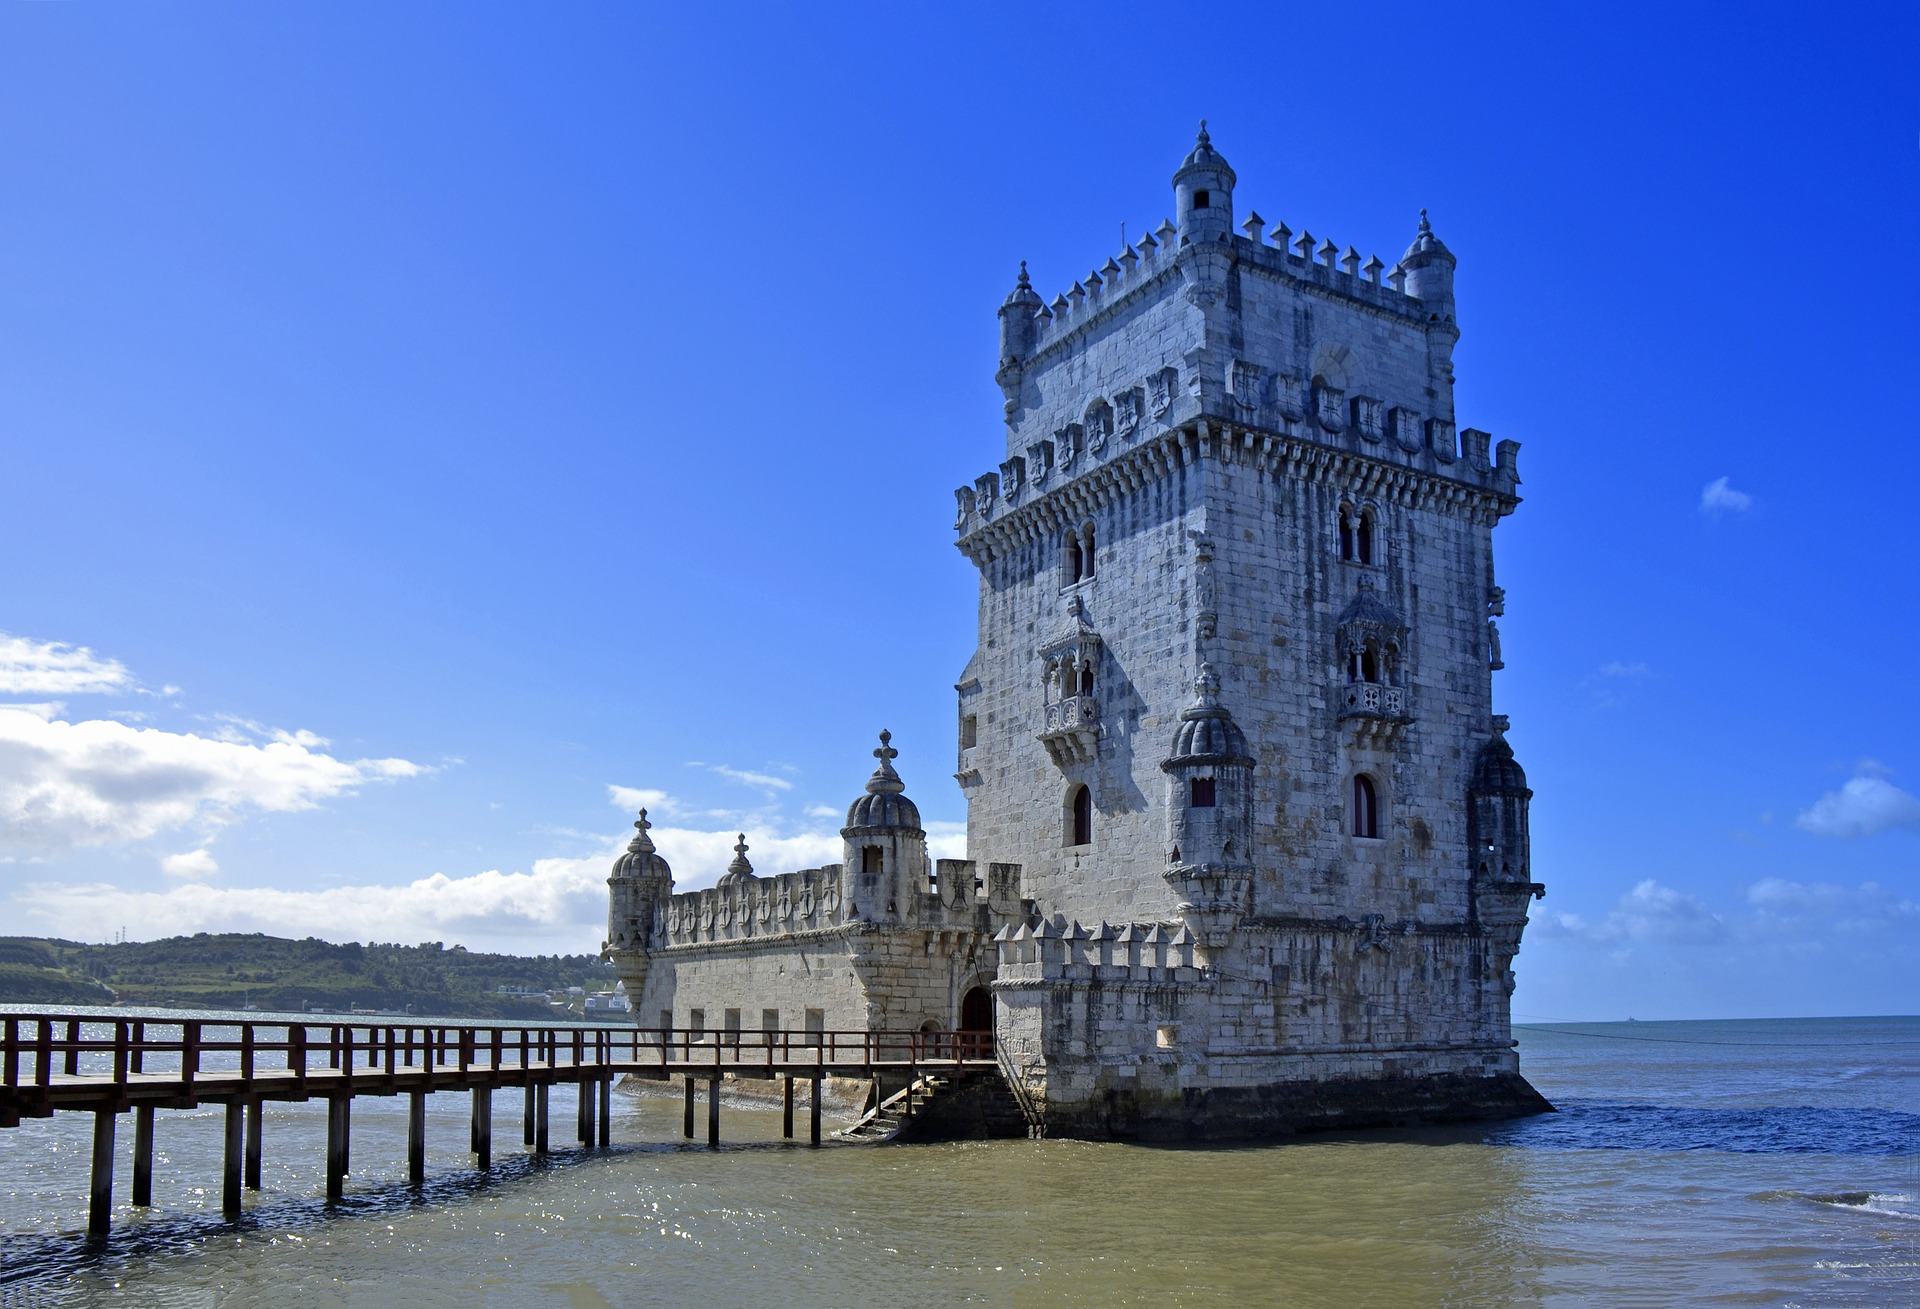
<point x="229" y="970"/>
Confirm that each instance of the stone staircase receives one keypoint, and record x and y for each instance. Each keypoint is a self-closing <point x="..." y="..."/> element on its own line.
<point x="973" y="1105"/>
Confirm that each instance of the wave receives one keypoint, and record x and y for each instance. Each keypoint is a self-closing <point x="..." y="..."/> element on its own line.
<point x="1624" y="1125"/>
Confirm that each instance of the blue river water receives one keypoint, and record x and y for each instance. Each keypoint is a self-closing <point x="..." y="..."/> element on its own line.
<point x="1708" y="1163"/>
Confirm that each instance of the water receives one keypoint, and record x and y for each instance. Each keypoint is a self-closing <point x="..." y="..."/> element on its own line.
<point x="1722" y="1163"/>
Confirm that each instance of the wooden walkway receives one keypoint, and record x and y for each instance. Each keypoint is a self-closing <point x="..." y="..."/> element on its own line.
<point x="107" y="1065"/>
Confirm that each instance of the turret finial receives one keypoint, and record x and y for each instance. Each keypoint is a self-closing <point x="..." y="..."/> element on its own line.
<point x="884" y="780"/>
<point x="641" y="843"/>
<point x="1424" y="225"/>
<point x="1023" y="274"/>
<point x="1204" y="138"/>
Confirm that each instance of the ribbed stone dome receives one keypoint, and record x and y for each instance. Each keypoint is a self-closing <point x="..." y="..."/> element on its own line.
<point x="1207" y="732"/>
<point x="739" y="872"/>
<point x="640" y="859"/>
<point x="884" y="804"/>
<point x="1203" y="155"/>
<point x="1498" y="772"/>
<point x="1426" y="247"/>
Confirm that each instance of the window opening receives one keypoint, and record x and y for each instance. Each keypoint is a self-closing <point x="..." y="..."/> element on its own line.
<point x="1080" y="830"/>
<point x="1201" y="796"/>
<point x="1346" y="533"/>
<point x="969" y="731"/>
<point x="870" y="859"/>
<point x="1366" y="818"/>
<point x="1086" y="679"/>
<point x="1202" y="199"/>
<point x="1365" y="543"/>
<point x="697" y="1022"/>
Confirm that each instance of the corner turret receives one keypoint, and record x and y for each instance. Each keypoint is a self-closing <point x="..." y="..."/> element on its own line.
<point x="637" y="893"/>
<point x="1210" y="815"/>
<point x="1203" y="191"/>
<point x="885" y="851"/>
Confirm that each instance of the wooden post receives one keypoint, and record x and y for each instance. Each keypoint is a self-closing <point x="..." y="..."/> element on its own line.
<point x="606" y="1112"/>
<point x="483" y="1126"/>
<point x="786" y="1117"/>
<point x="416" y="1137"/>
<point x="230" y="1158"/>
<point x="338" y="1122"/>
<point x="73" y="1048"/>
<point x="817" y="1082"/>
<point x="583" y="1114"/>
<point x="531" y="1115"/>
<point x="254" y="1116"/>
<point x="143" y="1156"/>
<point x="540" y="1119"/>
<point x="100" y="1202"/>
<point x="713" y="1113"/>
<point x="687" y="1130"/>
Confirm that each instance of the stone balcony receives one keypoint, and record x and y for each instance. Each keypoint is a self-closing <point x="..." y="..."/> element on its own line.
<point x="1072" y="734"/>
<point x="1375" y="710"/>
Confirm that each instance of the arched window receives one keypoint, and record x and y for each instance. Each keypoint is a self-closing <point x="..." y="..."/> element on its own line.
<point x="1369" y="664"/>
<point x="1074" y="560"/>
<point x="1346" y="532"/>
<point x="1363" y="544"/>
<point x="1080" y="817"/>
<point x="1365" y="807"/>
<point x="1086" y="550"/>
<point x="1086" y="679"/>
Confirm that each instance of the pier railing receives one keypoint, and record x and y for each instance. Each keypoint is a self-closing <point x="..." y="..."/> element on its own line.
<point x="110" y="1064"/>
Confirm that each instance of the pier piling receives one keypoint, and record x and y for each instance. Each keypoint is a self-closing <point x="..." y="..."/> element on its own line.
<point x="100" y="1200"/>
<point x="816" y="1109"/>
<point x="338" y="1121"/>
<point x="786" y="1116"/>
<point x="231" y="1157"/>
<point x="606" y="1113"/>
<point x="416" y="1137"/>
<point x="687" y="1129"/>
<point x="255" y="1115"/>
<point x="713" y="1114"/>
<point x="540" y="1119"/>
<point x="143" y="1156"/>
<point x="531" y="1114"/>
<point x="483" y="1127"/>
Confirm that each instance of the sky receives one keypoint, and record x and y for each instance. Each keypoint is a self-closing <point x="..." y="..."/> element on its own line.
<point x="428" y="433"/>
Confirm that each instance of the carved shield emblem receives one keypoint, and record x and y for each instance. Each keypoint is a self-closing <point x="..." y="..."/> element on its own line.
<point x="1160" y="391"/>
<point x="1330" y="407"/>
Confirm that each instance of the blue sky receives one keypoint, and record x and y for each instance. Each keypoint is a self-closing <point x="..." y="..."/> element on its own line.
<point x="429" y="431"/>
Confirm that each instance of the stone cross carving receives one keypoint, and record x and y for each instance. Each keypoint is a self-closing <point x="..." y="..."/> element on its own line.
<point x="886" y="754"/>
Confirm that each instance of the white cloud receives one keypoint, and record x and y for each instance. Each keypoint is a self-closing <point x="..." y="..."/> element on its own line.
<point x="1799" y="905"/>
<point x="765" y="781"/>
<point x="1648" y="914"/>
<point x="1619" y="672"/>
<point x="1718" y="497"/>
<point x="560" y="906"/>
<point x="193" y="864"/>
<point x="97" y="781"/>
<point x="635" y="798"/>
<point x="54" y="668"/>
<point x="1865" y="806"/>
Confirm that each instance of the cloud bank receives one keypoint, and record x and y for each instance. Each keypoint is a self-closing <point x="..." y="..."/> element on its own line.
<point x="1866" y="806"/>
<point x="97" y="781"/>
<point x="53" y="668"/>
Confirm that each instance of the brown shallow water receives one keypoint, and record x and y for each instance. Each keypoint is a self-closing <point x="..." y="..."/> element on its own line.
<point x="1706" y="1163"/>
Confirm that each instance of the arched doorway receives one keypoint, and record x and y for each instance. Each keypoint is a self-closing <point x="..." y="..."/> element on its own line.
<point x="976" y="1021"/>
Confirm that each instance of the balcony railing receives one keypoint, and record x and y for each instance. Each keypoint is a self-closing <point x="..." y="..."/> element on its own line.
<point x="1372" y="700"/>
<point x="1072" y="713"/>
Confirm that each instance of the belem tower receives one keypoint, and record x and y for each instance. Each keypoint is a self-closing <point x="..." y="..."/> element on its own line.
<point x="1247" y="847"/>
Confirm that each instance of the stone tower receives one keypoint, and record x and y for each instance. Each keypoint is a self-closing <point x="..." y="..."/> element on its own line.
<point x="1231" y="709"/>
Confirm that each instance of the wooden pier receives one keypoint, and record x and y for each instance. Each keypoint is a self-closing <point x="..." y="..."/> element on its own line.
<point x="108" y="1065"/>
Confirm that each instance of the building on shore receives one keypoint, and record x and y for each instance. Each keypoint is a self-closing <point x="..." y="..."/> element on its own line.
<point x="1247" y="845"/>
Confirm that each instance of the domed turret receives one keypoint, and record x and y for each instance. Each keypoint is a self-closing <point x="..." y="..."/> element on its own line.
<point x="1497" y="813"/>
<point x="1203" y="189"/>
<point x="1210" y="814"/>
<point x="1016" y="322"/>
<point x="637" y="890"/>
<point x="885" y="850"/>
<point x="1429" y="267"/>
